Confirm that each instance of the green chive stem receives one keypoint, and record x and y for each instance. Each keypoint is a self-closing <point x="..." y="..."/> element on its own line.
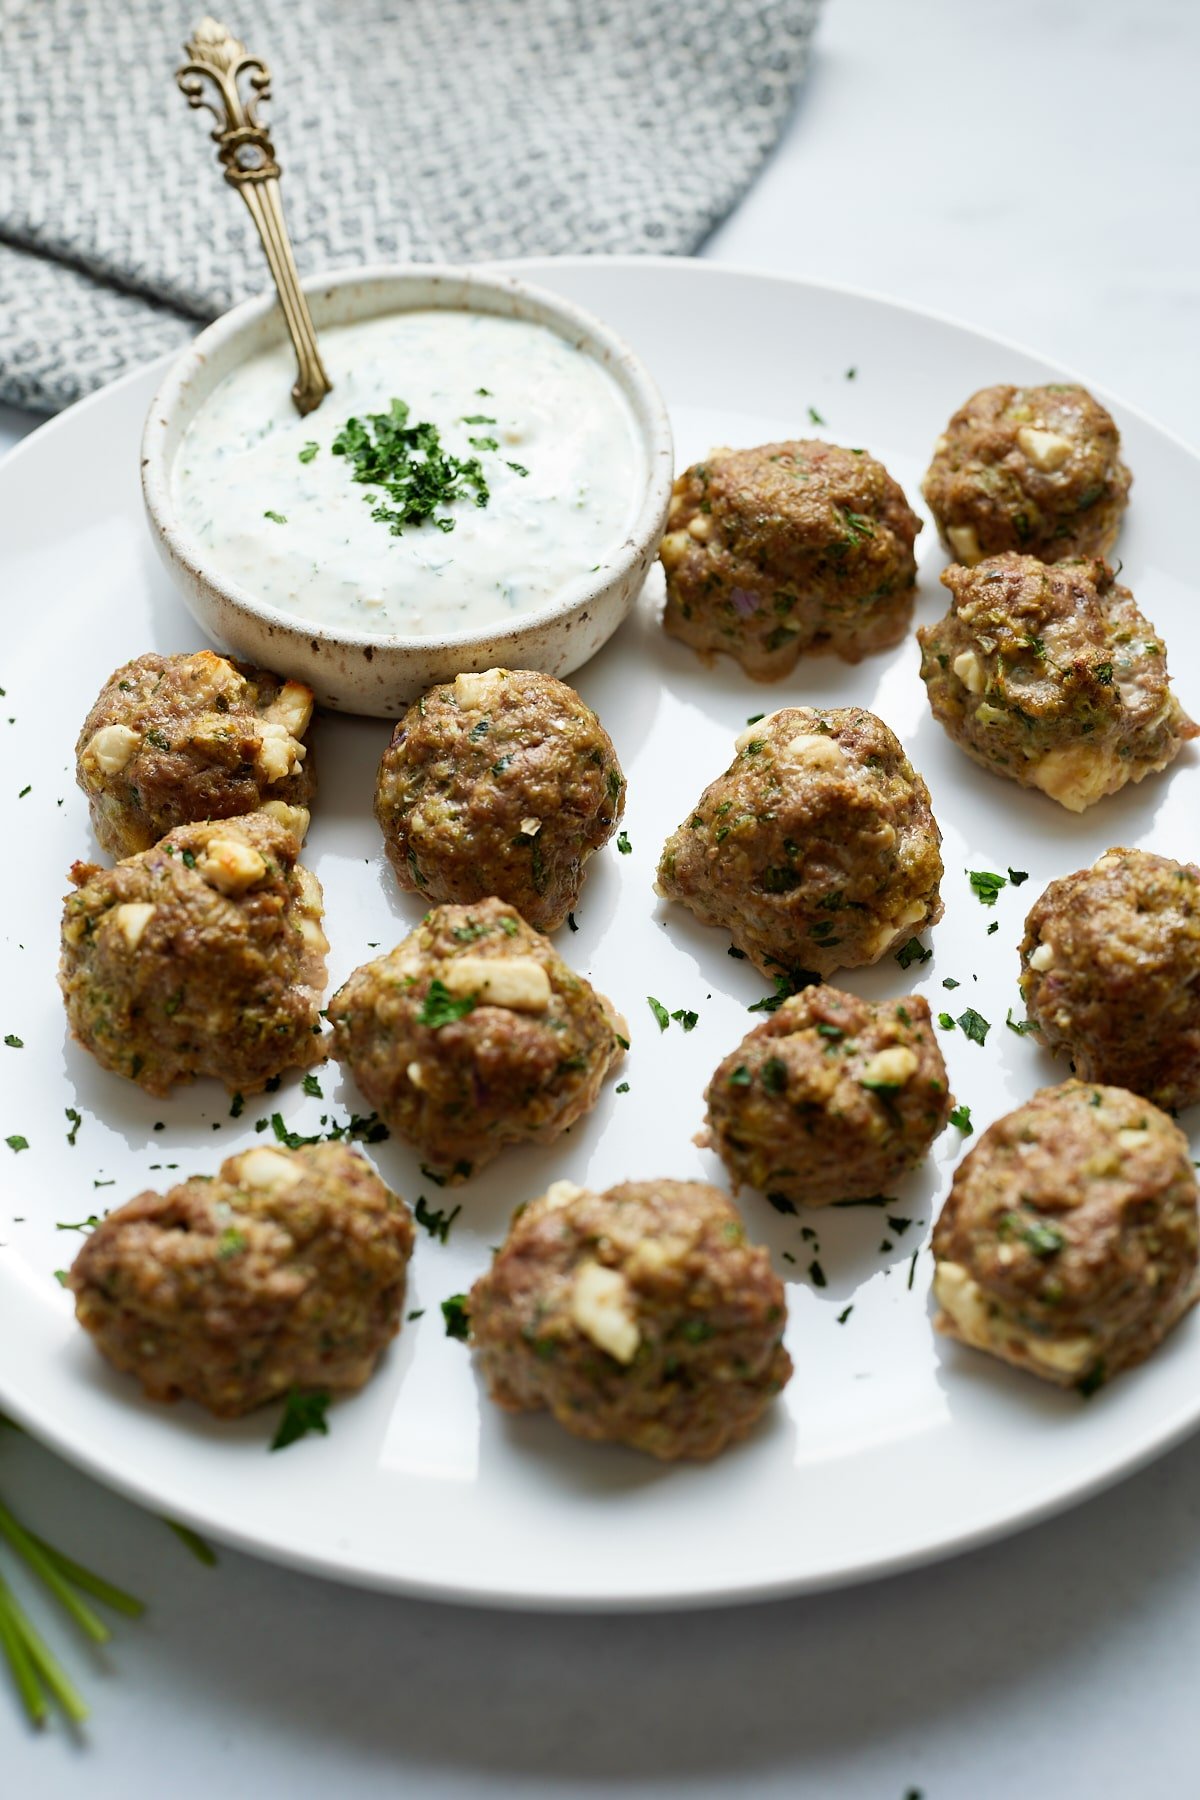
<point x="25" y="1546"/>
<point x="91" y="1583"/>
<point x="17" y="1657"/>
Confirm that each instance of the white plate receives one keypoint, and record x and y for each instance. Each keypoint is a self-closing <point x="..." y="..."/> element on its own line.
<point x="889" y="1447"/>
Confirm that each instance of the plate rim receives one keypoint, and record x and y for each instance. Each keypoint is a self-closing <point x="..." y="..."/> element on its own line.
<point x="728" y="1591"/>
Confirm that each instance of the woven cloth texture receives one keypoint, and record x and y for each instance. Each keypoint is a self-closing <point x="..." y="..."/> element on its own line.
<point x="444" y="130"/>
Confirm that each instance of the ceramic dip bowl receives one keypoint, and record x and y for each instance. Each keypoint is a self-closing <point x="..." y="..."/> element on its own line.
<point x="380" y="672"/>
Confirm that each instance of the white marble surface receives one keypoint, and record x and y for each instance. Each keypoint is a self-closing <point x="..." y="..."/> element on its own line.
<point x="1031" y="168"/>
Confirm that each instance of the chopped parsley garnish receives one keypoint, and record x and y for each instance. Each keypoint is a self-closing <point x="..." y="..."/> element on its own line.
<point x="17" y="1142"/>
<point x="458" y="1319"/>
<point x="440" y="1007"/>
<point x="418" y="1312"/>
<point x="912" y="1268"/>
<point x="74" y="1120"/>
<point x="845" y="1313"/>
<point x="1103" y="673"/>
<point x="814" y="416"/>
<point x="88" y="1224"/>
<point x="1043" y="1239"/>
<point x="946" y="1021"/>
<point x="858" y="526"/>
<point x="1017" y="876"/>
<point x="414" y="489"/>
<point x="302" y="1413"/>
<point x="1020" y="1026"/>
<point x="363" y="1128"/>
<point x="974" y="1025"/>
<point x="912" y="952"/>
<point x="311" y="1086"/>
<point x="231" y="1242"/>
<point x="851" y="374"/>
<point x="237" y="1106"/>
<point x="622" y="1087"/>
<point x="13" y="1041"/>
<point x="740" y="1077"/>
<point x="781" y="1203"/>
<point x="986" y="885"/>
<point x="816" y="1274"/>
<point x="950" y="982"/>
<point x="623" y="843"/>
<point x="440" y="1180"/>
<point x="277" y="518"/>
<point x="477" y="419"/>
<point x="309" y="451"/>
<point x="659" y="1010"/>
<point x="520" y="469"/>
<point x="774" y="1075"/>
<point x="571" y="921"/>
<point x="437" y="1223"/>
<point x="961" y="1116"/>
<point x="688" y="1020"/>
<point x="484" y="443"/>
<point x="772" y="1002"/>
<point x="755" y="717"/>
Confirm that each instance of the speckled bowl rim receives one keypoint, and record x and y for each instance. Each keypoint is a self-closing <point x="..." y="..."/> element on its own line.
<point x="258" y="323"/>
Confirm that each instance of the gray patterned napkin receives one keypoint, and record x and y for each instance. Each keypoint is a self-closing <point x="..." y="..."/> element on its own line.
<point x="452" y="130"/>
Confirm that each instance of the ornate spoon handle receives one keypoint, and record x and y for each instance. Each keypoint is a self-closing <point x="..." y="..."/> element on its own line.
<point x="216" y="63"/>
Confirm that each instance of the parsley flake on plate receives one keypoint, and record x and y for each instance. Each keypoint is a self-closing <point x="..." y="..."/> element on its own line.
<point x="302" y="1413"/>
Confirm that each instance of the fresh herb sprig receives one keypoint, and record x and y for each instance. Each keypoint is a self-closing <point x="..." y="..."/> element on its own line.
<point x="38" y="1675"/>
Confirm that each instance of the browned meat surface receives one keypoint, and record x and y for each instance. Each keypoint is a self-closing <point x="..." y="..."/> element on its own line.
<point x="791" y="548"/>
<point x="1036" y="469"/>
<point x="1110" y="971"/>
<point x="473" y="1034"/>
<point x="1051" y="676"/>
<point x="831" y="1098"/>
<point x="1068" y="1242"/>
<point x="502" y="783"/>
<point x="203" y="956"/>
<point x="285" y="1270"/>
<point x="816" y="850"/>
<point x="639" y="1316"/>
<point x="176" y="739"/>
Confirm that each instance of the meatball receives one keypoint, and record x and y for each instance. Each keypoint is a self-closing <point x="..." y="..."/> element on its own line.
<point x="1051" y="676"/>
<point x="502" y="783"/>
<point x="791" y="548"/>
<point x="639" y="1316"/>
<point x="472" y="1034"/>
<point x="1110" y="971"/>
<point x="816" y="850"/>
<point x="175" y="739"/>
<point x="1068" y="1242"/>
<point x="285" y="1270"/>
<point x="203" y="956"/>
<point x="832" y="1098"/>
<point x="1036" y="469"/>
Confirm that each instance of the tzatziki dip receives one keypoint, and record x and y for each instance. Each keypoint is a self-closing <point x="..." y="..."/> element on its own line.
<point x="535" y="475"/>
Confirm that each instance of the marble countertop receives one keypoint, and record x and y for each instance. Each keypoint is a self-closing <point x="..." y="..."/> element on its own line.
<point x="1031" y="169"/>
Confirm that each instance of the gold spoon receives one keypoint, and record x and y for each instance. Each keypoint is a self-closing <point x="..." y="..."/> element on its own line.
<point x="216" y="60"/>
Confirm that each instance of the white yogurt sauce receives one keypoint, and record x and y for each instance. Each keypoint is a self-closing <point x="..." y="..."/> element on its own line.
<point x="558" y="413"/>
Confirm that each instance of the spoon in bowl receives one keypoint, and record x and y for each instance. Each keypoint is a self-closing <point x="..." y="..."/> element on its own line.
<point x="216" y="64"/>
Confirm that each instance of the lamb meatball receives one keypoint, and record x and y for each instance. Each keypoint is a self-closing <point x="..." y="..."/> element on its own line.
<point x="175" y="739"/>
<point x="1110" y="971"/>
<point x="1068" y="1242"/>
<point x="1036" y="469"/>
<point x="285" y="1270"/>
<point x="1051" y="676"/>
<point x="203" y="956"/>
<point x="639" y="1316"/>
<point x="816" y="850"/>
<point x="502" y="783"/>
<point x="832" y="1098"/>
<point x="472" y="1034"/>
<point x="792" y="548"/>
